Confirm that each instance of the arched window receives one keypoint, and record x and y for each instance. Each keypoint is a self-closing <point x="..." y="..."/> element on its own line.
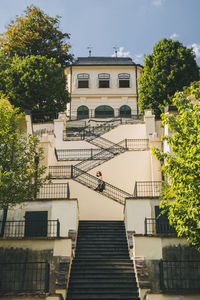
<point x="104" y="111"/>
<point x="124" y="80"/>
<point x="125" y="111"/>
<point x="83" y="80"/>
<point x="104" y="80"/>
<point x="82" y="112"/>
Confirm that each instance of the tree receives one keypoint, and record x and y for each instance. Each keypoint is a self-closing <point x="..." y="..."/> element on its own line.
<point x="167" y="70"/>
<point x="181" y="194"/>
<point x="36" y="33"/>
<point x="20" y="174"/>
<point x="35" y="82"/>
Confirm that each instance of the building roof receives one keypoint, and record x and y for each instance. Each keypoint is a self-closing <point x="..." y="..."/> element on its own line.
<point x="103" y="60"/>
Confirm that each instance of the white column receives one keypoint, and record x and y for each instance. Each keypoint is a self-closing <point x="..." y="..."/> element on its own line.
<point x="149" y="120"/>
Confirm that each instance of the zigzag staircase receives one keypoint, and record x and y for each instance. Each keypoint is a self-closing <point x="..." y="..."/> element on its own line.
<point x="79" y="171"/>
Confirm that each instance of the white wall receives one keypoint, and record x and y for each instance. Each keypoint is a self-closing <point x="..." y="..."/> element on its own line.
<point x="93" y="205"/>
<point x="150" y="247"/>
<point x="136" y="210"/>
<point x="123" y="170"/>
<point x="64" y="210"/>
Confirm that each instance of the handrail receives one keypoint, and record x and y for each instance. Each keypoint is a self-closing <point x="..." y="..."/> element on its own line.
<point x="91" y="181"/>
<point x="16" y="229"/>
<point x="148" y="189"/>
<point x="53" y="191"/>
<point x="93" y="153"/>
<point x="155" y="226"/>
<point x="79" y="175"/>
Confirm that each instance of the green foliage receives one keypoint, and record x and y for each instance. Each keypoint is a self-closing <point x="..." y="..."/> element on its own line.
<point x="34" y="82"/>
<point x="20" y="175"/>
<point x="182" y="166"/>
<point x="36" y="33"/>
<point x="167" y="70"/>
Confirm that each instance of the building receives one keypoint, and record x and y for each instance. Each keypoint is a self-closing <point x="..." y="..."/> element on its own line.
<point x="87" y="244"/>
<point x="103" y="87"/>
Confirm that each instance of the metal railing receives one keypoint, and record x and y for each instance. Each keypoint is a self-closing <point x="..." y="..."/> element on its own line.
<point x="91" y="182"/>
<point x="16" y="229"/>
<point x="61" y="172"/>
<point x="148" y="189"/>
<point x="135" y="144"/>
<point x="88" y="180"/>
<point x="180" y="275"/>
<point x="96" y="154"/>
<point x="153" y="226"/>
<point x="91" y="114"/>
<point x="27" y="277"/>
<point x="43" y="131"/>
<point x="77" y="154"/>
<point x="54" y="191"/>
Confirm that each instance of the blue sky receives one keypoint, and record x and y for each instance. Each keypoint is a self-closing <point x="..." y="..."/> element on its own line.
<point x="134" y="26"/>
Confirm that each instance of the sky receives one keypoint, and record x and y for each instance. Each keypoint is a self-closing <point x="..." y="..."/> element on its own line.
<point x="131" y="26"/>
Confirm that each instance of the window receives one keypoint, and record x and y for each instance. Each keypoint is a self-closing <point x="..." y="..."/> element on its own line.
<point x="104" y="80"/>
<point x="125" y="111"/>
<point x="124" y="80"/>
<point x="82" y="112"/>
<point x="83" y="81"/>
<point x="104" y="111"/>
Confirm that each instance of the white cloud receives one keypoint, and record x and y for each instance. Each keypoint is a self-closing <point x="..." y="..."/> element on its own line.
<point x="121" y="53"/>
<point x="196" y="48"/>
<point x="174" y="36"/>
<point x="158" y="2"/>
<point x="138" y="58"/>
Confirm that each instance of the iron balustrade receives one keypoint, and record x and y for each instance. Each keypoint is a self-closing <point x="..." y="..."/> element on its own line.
<point x="43" y="131"/>
<point x="155" y="226"/>
<point x="99" y="158"/>
<point x="27" y="277"/>
<point x="53" y="191"/>
<point x="91" y="114"/>
<point x="135" y="144"/>
<point x="61" y="172"/>
<point x="91" y="182"/>
<point x="148" y="189"/>
<point x="179" y="275"/>
<point x="17" y="229"/>
<point x="77" y="154"/>
<point x="96" y="154"/>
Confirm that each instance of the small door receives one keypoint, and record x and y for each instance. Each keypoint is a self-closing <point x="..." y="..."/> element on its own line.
<point x="36" y="223"/>
<point x="162" y="222"/>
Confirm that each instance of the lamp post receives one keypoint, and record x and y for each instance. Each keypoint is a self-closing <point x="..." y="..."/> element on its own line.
<point x="37" y="160"/>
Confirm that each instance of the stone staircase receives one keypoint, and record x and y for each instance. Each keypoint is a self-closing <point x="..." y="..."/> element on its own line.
<point x="102" y="268"/>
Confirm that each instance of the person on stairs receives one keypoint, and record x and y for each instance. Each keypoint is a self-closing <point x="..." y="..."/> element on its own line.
<point x="101" y="185"/>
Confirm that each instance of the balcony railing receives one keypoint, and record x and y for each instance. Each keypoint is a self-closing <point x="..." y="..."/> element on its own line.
<point x="61" y="172"/>
<point x="155" y="226"/>
<point x="148" y="189"/>
<point x="54" y="191"/>
<point x="104" y="114"/>
<point x="180" y="275"/>
<point x="77" y="154"/>
<point x="34" y="228"/>
<point x="28" y="277"/>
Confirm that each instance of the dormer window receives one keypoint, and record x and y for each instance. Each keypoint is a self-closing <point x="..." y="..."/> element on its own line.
<point x="104" y="80"/>
<point x="83" y="81"/>
<point x="124" y="80"/>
